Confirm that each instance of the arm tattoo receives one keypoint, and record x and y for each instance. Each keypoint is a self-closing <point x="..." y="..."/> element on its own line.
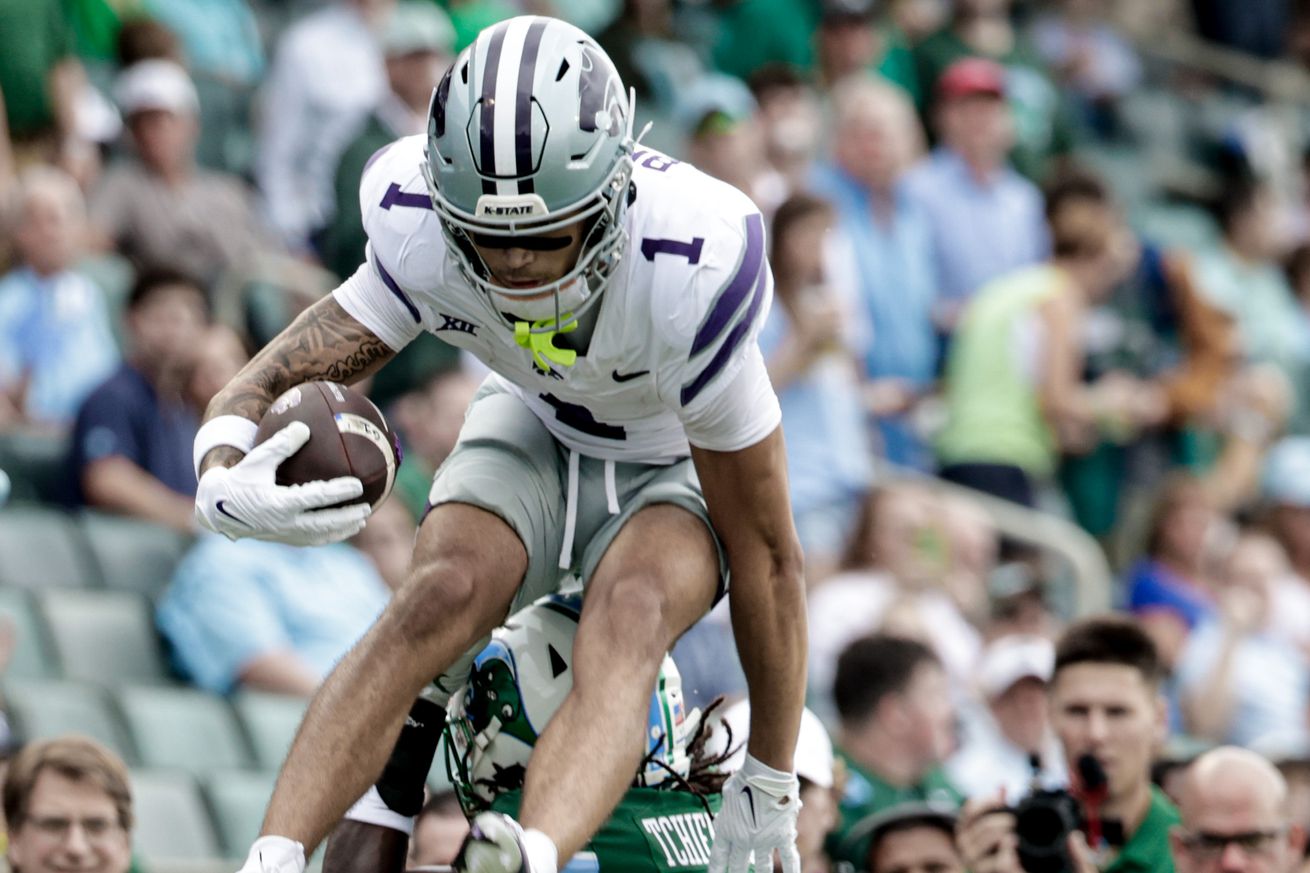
<point x="324" y="342"/>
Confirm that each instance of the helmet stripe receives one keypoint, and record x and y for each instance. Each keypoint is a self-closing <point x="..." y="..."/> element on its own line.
<point x="523" y="106"/>
<point x="507" y="84"/>
<point x="490" y="68"/>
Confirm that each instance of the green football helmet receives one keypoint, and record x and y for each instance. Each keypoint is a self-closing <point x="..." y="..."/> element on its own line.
<point x="530" y="131"/>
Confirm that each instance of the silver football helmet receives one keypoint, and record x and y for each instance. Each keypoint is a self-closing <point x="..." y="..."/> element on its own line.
<point x="528" y="132"/>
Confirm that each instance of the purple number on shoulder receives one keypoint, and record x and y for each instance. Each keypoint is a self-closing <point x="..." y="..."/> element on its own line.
<point x="689" y="250"/>
<point x="396" y="197"/>
<point x="652" y="161"/>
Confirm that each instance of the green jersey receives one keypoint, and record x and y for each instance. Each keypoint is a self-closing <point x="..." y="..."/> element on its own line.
<point x="650" y="831"/>
<point x="1147" y="851"/>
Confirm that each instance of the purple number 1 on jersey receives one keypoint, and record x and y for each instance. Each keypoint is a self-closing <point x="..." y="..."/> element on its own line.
<point x="689" y="250"/>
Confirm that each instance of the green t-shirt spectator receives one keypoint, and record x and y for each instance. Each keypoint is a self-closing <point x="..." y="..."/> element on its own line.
<point x="1042" y="130"/>
<point x="34" y="38"/>
<point x="1147" y="851"/>
<point x="753" y="33"/>
<point x="866" y="794"/>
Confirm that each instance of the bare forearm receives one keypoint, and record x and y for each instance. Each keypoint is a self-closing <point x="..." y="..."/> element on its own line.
<point x="769" y="624"/>
<point x="119" y="485"/>
<point x="282" y="672"/>
<point x="324" y="342"/>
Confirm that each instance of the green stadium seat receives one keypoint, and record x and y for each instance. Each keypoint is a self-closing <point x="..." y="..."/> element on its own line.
<point x="238" y="799"/>
<point x="270" y="721"/>
<point x="171" y="818"/>
<point x="42" y="547"/>
<point x="183" y="728"/>
<point x="39" y="710"/>
<point x="133" y="555"/>
<point x="35" y="464"/>
<point x="32" y="657"/>
<point x="107" y="637"/>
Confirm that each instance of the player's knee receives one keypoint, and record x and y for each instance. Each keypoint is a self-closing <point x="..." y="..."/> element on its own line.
<point x="439" y="594"/>
<point x="636" y="610"/>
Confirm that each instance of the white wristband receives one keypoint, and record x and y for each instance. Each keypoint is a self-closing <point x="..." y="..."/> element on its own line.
<point x="372" y="809"/>
<point x="236" y="431"/>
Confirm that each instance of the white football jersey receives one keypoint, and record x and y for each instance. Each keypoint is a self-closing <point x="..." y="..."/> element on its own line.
<point x="677" y="325"/>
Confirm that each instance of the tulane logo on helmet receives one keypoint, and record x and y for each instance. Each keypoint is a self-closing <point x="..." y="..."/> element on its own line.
<point x="530" y="132"/>
<point x="518" y="682"/>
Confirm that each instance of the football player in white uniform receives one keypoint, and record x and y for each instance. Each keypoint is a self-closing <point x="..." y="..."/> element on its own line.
<point x="628" y="434"/>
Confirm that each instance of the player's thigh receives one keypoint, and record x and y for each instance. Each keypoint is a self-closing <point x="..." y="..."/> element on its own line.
<point x="660" y="573"/>
<point x="497" y="497"/>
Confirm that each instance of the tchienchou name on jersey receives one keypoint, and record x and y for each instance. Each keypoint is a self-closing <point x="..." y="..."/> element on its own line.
<point x="684" y="838"/>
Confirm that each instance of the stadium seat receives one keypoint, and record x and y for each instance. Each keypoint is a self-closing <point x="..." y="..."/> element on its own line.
<point x="32" y="657"/>
<point x="38" y="710"/>
<point x="42" y="547"/>
<point x="183" y="728"/>
<point x="35" y="464"/>
<point x="133" y="555"/>
<point x="238" y="799"/>
<point x="270" y="721"/>
<point x="107" y="637"/>
<point x="171" y="819"/>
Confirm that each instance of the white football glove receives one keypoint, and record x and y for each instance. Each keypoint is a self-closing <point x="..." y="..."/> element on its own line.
<point x="275" y="855"/>
<point x="244" y="500"/>
<point x="758" y="816"/>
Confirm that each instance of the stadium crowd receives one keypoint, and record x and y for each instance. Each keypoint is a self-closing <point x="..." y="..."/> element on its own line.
<point x="1021" y="253"/>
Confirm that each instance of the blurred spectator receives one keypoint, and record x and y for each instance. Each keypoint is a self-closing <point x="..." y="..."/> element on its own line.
<point x="220" y="37"/>
<point x="1234" y="809"/>
<point x="1089" y="57"/>
<point x="986" y="219"/>
<point x="875" y="139"/>
<point x="1286" y="494"/>
<point x="56" y="343"/>
<point x="418" y="44"/>
<point x="439" y="831"/>
<point x="1105" y="702"/>
<point x="753" y="33"/>
<point x="896" y="728"/>
<point x="718" y="114"/>
<point x="428" y="420"/>
<point x="807" y="348"/>
<point x="1170" y="589"/>
<point x="68" y="806"/>
<point x="791" y="122"/>
<point x="146" y="39"/>
<point x="913" y="838"/>
<point x="40" y="83"/>
<point x="814" y="768"/>
<point x="1014" y="396"/>
<point x="131" y="444"/>
<point x="850" y="42"/>
<point x="919" y="19"/>
<point x="646" y="51"/>
<point x="161" y="209"/>
<point x="327" y="75"/>
<point x="1257" y="27"/>
<point x="1019" y="603"/>
<point x="1239" y="679"/>
<point x="239" y="614"/>
<point x="893" y="578"/>
<point x="985" y="29"/>
<point x="219" y="355"/>
<point x="973" y="546"/>
<point x="1009" y="746"/>
<point x="1243" y="278"/>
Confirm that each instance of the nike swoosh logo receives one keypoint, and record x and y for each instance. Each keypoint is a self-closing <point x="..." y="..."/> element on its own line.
<point x="750" y="795"/>
<point x="627" y="377"/>
<point x="219" y="507"/>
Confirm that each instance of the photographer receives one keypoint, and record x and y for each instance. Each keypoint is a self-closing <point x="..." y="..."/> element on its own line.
<point x="1105" y="705"/>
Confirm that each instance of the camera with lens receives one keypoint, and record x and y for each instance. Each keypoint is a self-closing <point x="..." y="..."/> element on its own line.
<point x="1045" y="819"/>
<point x="1043" y="822"/>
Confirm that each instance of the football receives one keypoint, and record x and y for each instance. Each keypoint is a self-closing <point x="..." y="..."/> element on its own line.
<point x="348" y="437"/>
